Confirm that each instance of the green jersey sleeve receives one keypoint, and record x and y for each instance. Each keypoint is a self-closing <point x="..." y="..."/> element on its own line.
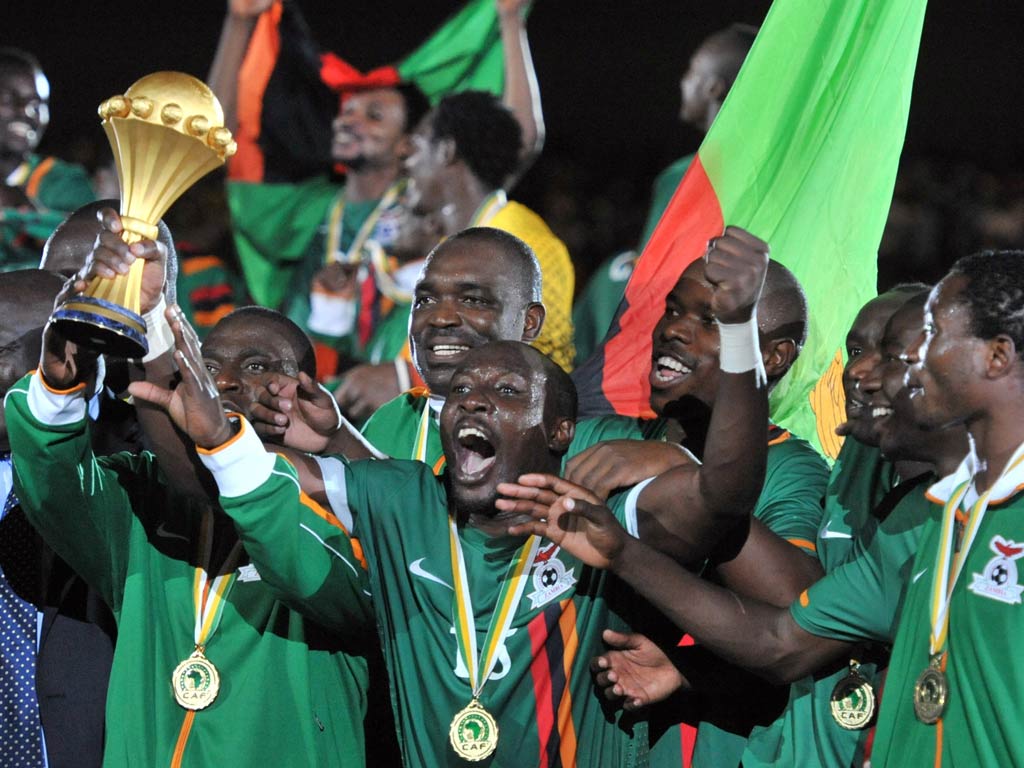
<point x="80" y="504"/>
<point x="794" y="486"/>
<point x="861" y="598"/>
<point x="301" y="550"/>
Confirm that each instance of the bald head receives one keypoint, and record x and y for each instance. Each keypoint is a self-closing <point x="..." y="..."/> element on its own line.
<point x="782" y="308"/>
<point x="504" y="251"/>
<point x="68" y="247"/>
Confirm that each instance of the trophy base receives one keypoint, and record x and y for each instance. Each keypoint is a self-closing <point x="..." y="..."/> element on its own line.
<point x="102" y="326"/>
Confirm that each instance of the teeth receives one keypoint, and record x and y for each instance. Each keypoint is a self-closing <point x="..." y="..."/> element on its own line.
<point x="471" y="432"/>
<point x="667" y="368"/>
<point x="445" y="350"/>
<point x="880" y="411"/>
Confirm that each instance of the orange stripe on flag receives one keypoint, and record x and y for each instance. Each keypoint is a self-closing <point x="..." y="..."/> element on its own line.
<point x="253" y="76"/>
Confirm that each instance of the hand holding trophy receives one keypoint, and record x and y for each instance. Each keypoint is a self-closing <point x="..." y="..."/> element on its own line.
<point x="166" y="132"/>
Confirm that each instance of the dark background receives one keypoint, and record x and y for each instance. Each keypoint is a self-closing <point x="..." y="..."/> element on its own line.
<point x="609" y="75"/>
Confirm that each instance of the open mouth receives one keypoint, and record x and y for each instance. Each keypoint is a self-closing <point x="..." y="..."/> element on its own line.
<point x="881" y="411"/>
<point x="668" y="370"/>
<point x="475" y="454"/>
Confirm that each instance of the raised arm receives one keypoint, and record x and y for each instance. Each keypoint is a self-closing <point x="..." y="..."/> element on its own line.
<point x="239" y="23"/>
<point x="522" y="91"/>
<point x="687" y="510"/>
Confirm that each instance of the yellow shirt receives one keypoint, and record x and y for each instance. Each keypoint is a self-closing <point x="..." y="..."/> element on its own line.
<point x="558" y="276"/>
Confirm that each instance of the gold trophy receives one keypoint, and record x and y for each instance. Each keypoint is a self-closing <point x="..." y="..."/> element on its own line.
<point x="167" y="132"/>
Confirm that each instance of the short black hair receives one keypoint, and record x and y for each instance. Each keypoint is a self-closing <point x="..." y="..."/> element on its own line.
<point x="519" y="255"/>
<point x="305" y="356"/>
<point x="416" y="105"/>
<point x="994" y="294"/>
<point x="486" y="134"/>
<point x="15" y="58"/>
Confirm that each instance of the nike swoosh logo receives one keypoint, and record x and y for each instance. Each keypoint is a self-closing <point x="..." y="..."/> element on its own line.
<point x="416" y="569"/>
<point x="918" y="575"/>
<point x="827" y="534"/>
<point x="163" y="533"/>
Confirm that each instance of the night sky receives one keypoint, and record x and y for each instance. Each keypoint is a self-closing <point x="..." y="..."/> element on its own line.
<point x="608" y="71"/>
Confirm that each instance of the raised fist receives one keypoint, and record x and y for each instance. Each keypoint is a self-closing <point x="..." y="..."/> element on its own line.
<point x="735" y="265"/>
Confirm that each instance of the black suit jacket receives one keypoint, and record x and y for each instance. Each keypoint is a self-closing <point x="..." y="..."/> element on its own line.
<point x="76" y="646"/>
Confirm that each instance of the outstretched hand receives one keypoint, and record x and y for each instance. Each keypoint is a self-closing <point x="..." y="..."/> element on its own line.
<point x="735" y="264"/>
<point x="571" y="516"/>
<point x="194" y="405"/>
<point x="635" y="670"/>
<point x="297" y="413"/>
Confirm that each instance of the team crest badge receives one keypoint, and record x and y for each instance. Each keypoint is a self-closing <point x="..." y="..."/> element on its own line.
<point x="550" y="577"/>
<point x="999" y="579"/>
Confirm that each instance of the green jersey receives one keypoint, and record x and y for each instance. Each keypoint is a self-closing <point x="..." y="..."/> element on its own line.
<point x="541" y="691"/>
<point x="593" y="312"/>
<point x="55" y="189"/>
<point x="860" y="599"/>
<point x="985" y="705"/>
<point x="291" y="692"/>
<point x="790" y="506"/>
<point x="403" y="428"/>
<point x="284" y="234"/>
<point x="860" y="479"/>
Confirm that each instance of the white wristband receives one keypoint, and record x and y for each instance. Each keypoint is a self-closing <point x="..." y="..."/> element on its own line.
<point x="402" y="372"/>
<point x="740" y="349"/>
<point x="159" y="335"/>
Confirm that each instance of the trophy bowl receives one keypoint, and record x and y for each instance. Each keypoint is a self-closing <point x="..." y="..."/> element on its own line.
<point x="166" y="132"/>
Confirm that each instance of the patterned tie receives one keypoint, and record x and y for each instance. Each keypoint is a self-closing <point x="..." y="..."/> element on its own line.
<point x="20" y="730"/>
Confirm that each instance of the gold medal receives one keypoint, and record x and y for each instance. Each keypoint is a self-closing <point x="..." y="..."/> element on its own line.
<point x="473" y="732"/>
<point x="853" y="700"/>
<point x="195" y="682"/>
<point x="930" y="694"/>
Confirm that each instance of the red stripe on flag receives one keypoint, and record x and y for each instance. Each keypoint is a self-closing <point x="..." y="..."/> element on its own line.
<point x="692" y="217"/>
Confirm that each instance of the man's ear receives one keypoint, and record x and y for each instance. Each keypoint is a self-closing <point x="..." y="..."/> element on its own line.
<point x="778" y="356"/>
<point x="404" y="147"/>
<point x="562" y="435"/>
<point x="1000" y="356"/>
<point x="533" y="322"/>
<point x="716" y="89"/>
<point x="446" y="150"/>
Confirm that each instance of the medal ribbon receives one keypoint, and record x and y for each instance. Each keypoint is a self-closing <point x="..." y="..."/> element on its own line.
<point x="337" y="219"/>
<point x="489" y="208"/>
<point x="209" y="597"/>
<point x="949" y="557"/>
<point x="511" y="593"/>
<point x="419" y="451"/>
